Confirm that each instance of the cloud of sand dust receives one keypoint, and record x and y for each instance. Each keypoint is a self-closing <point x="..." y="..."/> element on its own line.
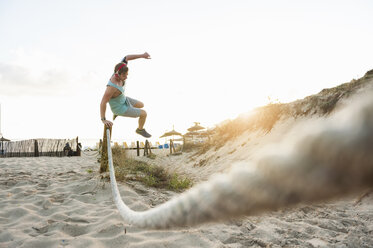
<point x="327" y="159"/>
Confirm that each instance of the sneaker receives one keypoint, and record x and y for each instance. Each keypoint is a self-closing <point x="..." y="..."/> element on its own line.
<point x="143" y="133"/>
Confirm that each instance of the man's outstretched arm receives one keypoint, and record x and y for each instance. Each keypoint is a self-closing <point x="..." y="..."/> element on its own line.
<point x="137" y="56"/>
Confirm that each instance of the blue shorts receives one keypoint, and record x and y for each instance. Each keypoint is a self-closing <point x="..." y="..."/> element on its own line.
<point x="131" y="110"/>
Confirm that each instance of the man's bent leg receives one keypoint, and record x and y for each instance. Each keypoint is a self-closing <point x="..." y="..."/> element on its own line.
<point x="137" y="112"/>
<point x="142" y="119"/>
<point x="141" y="129"/>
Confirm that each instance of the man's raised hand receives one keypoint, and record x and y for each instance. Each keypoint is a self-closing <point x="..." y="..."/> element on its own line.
<point x="146" y="56"/>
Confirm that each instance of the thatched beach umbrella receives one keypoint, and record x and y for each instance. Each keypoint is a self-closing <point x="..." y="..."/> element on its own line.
<point x="193" y="131"/>
<point x="191" y="134"/>
<point x="2" y="139"/>
<point x="171" y="133"/>
<point x="196" y="127"/>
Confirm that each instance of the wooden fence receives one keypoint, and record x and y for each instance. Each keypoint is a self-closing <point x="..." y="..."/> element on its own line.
<point x="40" y="147"/>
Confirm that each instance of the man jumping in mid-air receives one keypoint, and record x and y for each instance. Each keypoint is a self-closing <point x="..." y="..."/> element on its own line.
<point x="120" y="104"/>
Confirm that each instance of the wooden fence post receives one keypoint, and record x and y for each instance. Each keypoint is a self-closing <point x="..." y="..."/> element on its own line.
<point x="138" y="148"/>
<point x="172" y="147"/>
<point x="104" y="156"/>
<point x="78" y="152"/>
<point x="147" y="148"/>
<point x="36" y="149"/>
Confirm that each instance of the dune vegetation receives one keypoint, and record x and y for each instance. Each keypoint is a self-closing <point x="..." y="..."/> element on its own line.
<point x="151" y="175"/>
<point x="264" y="118"/>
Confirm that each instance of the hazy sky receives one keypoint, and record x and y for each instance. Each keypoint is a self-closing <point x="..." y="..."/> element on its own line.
<point x="211" y="60"/>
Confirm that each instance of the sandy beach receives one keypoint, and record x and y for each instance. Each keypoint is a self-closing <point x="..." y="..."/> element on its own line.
<point x="64" y="202"/>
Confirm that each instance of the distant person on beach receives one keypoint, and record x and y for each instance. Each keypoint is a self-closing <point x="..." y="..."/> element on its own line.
<point x="67" y="150"/>
<point x="120" y="104"/>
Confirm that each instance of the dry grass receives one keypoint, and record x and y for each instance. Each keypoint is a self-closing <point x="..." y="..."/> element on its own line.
<point x="265" y="118"/>
<point x="151" y="175"/>
<point x="188" y="146"/>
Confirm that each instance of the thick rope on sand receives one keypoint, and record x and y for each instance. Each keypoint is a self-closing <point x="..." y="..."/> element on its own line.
<point x="323" y="162"/>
